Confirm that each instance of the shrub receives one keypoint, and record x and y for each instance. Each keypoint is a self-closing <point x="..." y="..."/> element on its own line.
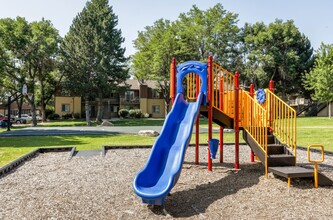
<point x="48" y="112"/>
<point x="146" y="115"/>
<point x="53" y="116"/>
<point x="67" y="116"/>
<point x="83" y="114"/>
<point x="77" y="115"/>
<point x="123" y="113"/>
<point x="131" y="113"/>
<point x="138" y="113"/>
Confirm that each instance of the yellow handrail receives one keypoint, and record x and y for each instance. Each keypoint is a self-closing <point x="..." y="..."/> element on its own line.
<point x="254" y="120"/>
<point x="223" y="87"/>
<point x="281" y="120"/>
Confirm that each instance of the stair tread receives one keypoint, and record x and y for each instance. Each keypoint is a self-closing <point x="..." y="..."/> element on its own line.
<point x="275" y="145"/>
<point x="280" y="155"/>
<point x="291" y="171"/>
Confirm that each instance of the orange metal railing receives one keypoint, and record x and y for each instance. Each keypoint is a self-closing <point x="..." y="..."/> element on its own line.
<point x="281" y="119"/>
<point x="252" y="116"/>
<point x="223" y="90"/>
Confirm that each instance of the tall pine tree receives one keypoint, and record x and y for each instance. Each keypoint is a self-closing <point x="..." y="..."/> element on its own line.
<point x="93" y="58"/>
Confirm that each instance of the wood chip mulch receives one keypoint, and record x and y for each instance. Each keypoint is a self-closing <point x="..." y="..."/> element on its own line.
<point x="52" y="187"/>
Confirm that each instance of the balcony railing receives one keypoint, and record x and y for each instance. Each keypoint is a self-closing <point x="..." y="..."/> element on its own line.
<point x="128" y="100"/>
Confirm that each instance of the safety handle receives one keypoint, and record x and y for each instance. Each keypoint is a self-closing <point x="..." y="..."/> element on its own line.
<point x="322" y="153"/>
<point x="315" y="162"/>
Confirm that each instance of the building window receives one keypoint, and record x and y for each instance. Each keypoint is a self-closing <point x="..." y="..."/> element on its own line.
<point x="156" y="94"/>
<point x="129" y="95"/>
<point x="65" y="107"/>
<point x="156" y="109"/>
<point x="114" y="94"/>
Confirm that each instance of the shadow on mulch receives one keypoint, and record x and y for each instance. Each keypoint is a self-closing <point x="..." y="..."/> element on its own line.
<point x="192" y="202"/>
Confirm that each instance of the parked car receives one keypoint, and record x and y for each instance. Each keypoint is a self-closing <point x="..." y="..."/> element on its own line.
<point x="39" y="118"/>
<point x="2" y="117"/>
<point x="4" y="123"/>
<point x="24" y="119"/>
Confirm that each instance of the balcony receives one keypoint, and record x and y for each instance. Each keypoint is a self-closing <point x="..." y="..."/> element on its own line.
<point x="132" y="100"/>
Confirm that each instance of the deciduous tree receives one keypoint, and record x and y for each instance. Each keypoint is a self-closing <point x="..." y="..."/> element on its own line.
<point x="278" y="50"/>
<point x="320" y="78"/>
<point x="193" y="36"/>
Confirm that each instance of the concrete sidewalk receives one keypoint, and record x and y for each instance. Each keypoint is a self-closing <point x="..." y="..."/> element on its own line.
<point x="84" y="130"/>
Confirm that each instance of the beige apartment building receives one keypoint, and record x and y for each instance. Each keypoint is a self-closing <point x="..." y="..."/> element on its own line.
<point x="142" y="95"/>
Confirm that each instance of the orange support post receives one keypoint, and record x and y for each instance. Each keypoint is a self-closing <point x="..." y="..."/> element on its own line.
<point x="210" y="108"/>
<point x="271" y="88"/>
<point x="236" y="126"/>
<point x="197" y="124"/>
<point x="221" y="128"/>
<point x="252" y="95"/>
<point x="173" y="81"/>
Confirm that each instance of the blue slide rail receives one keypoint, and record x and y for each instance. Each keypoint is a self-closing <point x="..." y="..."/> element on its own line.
<point x="163" y="168"/>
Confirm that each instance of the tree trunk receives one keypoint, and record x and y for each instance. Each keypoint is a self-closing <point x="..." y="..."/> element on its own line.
<point x="99" y="108"/>
<point x="19" y="103"/>
<point x="87" y="110"/>
<point x="329" y="110"/>
<point x="167" y="108"/>
<point x="43" y="107"/>
<point x="42" y="89"/>
<point x="33" y="108"/>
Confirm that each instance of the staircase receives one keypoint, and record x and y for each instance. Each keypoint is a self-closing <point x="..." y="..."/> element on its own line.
<point x="269" y="128"/>
<point x="315" y="108"/>
<point x="277" y="153"/>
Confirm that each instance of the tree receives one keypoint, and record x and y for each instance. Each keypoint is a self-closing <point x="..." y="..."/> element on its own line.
<point x="156" y="47"/>
<point x="320" y="78"/>
<point x="46" y="42"/>
<point x="15" y="35"/>
<point x="280" y="51"/>
<point x="29" y="56"/>
<point x="93" y="59"/>
<point x="194" y="36"/>
<point x="211" y="32"/>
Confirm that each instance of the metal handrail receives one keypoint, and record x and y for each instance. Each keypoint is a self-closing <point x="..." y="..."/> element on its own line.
<point x="281" y="120"/>
<point x="253" y="119"/>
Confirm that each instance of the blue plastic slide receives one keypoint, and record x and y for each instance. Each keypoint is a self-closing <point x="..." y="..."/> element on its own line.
<point x="162" y="170"/>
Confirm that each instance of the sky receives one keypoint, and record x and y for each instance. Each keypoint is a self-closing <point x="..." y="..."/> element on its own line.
<point x="312" y="17"/>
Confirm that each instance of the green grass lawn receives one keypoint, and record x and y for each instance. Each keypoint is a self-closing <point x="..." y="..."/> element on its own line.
<point x="14" y="147"/>
<point x="139" y="122"/>
<point x="315" y="130"/>
<point x="314" y="122"/>
<point x="65" y="123"/>
<point x="120" y="122"/>
<point x="310" y="130"/>
<point x="82" y="122"/>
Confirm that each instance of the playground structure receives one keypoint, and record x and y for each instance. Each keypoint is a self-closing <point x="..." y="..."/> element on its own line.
<point x="268" y="124"/>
